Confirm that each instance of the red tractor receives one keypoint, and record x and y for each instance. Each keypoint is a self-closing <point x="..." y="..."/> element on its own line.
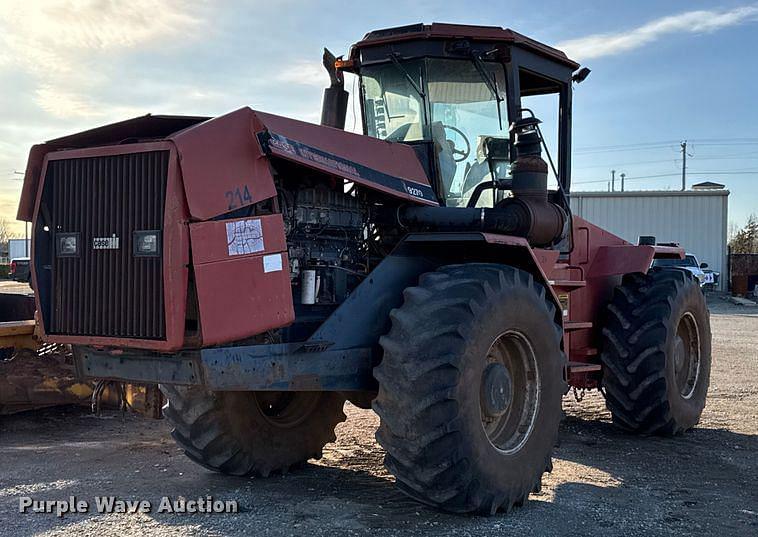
<point x="264" y="270"/>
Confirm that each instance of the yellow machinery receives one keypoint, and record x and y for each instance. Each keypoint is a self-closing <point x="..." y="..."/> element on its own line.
<point x="33" y="375"/>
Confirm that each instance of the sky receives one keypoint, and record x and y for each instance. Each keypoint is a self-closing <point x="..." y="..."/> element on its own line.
<point x="662" y="72"/>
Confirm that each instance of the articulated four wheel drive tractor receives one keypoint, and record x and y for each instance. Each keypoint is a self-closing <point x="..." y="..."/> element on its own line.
<point x="264" y="271"/>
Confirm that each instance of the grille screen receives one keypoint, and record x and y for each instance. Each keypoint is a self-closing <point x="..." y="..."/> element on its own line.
<point x="106" y="290"/>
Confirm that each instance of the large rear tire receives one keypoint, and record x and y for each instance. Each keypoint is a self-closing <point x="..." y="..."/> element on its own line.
<point x="252" y="433"/>
<point x="656" y="352"/>
<point x="470" y="388"/>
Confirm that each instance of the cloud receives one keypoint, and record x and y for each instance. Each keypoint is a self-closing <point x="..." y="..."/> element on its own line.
<point x="53" y="28"/>
<point x="305" y="73"/>
<point x="65" y="46"/>
<point x="701" y="21"/>
<point x="63" y="104"/>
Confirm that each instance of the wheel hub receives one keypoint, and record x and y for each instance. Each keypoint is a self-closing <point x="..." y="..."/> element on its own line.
<point x="687" y="355"/>
<point x="497" y="390"/>
<point x="509" y="392"/>
<point x="679" y="353"/>
<point x="286" y="409"/>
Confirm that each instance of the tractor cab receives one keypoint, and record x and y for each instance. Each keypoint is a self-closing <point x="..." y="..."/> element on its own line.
<point x="448" y="108"/>
<point x="455" y="93"/>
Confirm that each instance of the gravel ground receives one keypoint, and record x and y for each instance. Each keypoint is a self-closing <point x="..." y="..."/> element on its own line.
<point x="604" y="482"/>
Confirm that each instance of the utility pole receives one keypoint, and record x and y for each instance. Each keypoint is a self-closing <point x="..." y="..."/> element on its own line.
<point x="622" y="181"/>
<point x="613" y="180"/>
<point x="684" y="165"/>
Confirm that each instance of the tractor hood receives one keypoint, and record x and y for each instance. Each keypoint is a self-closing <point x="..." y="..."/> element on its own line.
<point x="226" y="161"/>
<point x="148" y="127"/>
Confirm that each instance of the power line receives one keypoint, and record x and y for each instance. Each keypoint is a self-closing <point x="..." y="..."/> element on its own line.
<point x="647" y="146"/>
<point x="726" y="157"/>
<point x="661" y="175"/>
<point x="619" y="164"/>
<point x="629" y="178"/>
<point x="698" y="140"/>
<point x="726" y="143"/>
<point x="736" y="172"/>
<point x="669" y="160"/>
<point x="732" y="170"/>
<point x="579" y="152"/>
<point x="617" y="146"/>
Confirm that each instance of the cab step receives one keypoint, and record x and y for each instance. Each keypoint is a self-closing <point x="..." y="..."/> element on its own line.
<point x="568" y="285"/>
<point x="582" y="367"/>
<point x="570" y="326"/>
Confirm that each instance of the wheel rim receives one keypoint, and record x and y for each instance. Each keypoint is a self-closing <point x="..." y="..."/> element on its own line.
<point x="286" y="409"/>
<point x="510" y="392"/>
<point x="687" y="355"/>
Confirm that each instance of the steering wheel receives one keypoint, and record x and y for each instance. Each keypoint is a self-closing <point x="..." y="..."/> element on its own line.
<point x="459" y="155"/>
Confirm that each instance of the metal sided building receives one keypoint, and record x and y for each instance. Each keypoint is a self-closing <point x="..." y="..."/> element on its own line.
<point x="696" y="219"/>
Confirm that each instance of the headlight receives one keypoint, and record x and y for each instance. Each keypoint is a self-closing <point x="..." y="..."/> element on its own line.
<point x="147" y="243"/>
<point x="67" y="244"/>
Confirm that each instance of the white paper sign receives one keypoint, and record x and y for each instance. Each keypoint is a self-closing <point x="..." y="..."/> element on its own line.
<point x="272" y="263"/>
<point x="244" y="237"/>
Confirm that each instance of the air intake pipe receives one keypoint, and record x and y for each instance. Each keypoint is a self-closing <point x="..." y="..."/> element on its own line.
<point x="527" y="214"/>
<point x="540" y="223"/>
<point x="334" y="106"/>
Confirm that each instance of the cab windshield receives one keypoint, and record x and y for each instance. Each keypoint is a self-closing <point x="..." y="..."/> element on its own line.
<point x="455" y="104"/>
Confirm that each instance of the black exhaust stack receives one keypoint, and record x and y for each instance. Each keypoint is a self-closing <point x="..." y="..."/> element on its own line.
<point x="334" y="107"/>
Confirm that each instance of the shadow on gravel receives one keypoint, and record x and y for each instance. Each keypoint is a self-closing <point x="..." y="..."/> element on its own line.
<point x="703" y="482"/>
<point x="705" y="478"/>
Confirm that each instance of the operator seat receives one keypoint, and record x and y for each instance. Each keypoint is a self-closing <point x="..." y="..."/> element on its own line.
<point x="479" y="171"/>
<point x="444" y="149"/>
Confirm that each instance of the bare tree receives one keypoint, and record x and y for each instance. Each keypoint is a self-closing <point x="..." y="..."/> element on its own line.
<point x="5" y="232"/>
<point x="745" y="241"/>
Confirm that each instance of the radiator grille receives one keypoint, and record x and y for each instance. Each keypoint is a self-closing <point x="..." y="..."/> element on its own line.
<point x="107" y="292"/>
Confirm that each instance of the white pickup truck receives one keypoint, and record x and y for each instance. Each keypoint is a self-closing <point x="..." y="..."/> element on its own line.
<point x="707" y="278"/>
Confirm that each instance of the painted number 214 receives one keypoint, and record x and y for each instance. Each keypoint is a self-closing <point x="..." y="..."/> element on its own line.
<point x="238" y="197"/>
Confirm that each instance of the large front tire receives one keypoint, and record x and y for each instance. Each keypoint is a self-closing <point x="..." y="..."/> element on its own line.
<point x="470" y="388"/>
<point x="251" y="433"/>
<point x="656" y="352"/>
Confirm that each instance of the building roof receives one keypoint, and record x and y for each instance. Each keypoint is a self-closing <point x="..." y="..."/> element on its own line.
<point x="707" y="185"/>
<point x="648" y="193"/>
